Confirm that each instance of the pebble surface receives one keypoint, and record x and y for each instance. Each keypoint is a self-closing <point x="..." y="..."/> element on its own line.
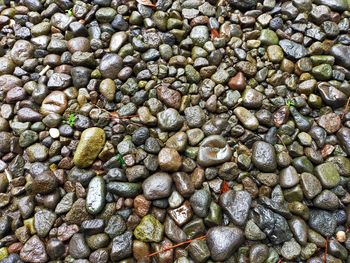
<point x="127" y="127"/>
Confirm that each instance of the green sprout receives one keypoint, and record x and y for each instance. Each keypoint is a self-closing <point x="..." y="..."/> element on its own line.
<point x="121" y="160"/>
<point x="290" y="103"/>
<point x="70" y="12"/>
<point x="71" y="119"/>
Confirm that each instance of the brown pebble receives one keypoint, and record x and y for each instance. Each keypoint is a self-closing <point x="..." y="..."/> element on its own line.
<point x="238" y="82"/>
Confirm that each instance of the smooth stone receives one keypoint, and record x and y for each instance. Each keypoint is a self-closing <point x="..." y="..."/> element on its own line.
<point x="213" y="150"/>
<point x="311" y="185"/>
<point x="108" y="89"/>
<point x="177" y="142"/>
<point x="199" y="250"/>
<point x="236" y="205"/>
<point x="200" y="202"/>
<point x="97" y="241"/>
<point x="170" y="97"/>
<point x="247" y="118"/>
<point x="96" y="194"/>
<point x="110" y="66"/>
<point x="238" y="82"/>
<point x="327" y="174"/>
<point x="341" y="53"/>
<point x="169" y="160"/>
<point x="149" y="230"/>
<point x="21" y="51"/>
<point x="264" y="156"/>
<point x="55" y="248"/>
<point x="275" y="53"/>
<point x="299" y="229"/>
<point x="157" y="186"/>
<point x="117" y="41"/>
<point x="258" y="253"/>
<point x="223" y="241"/>
<point x="331" y="96"/>
<point x="124" y="189"/>
<point x="90" y="144"/>
<point x="343" y="136"/>
<point x="288" y="177"/>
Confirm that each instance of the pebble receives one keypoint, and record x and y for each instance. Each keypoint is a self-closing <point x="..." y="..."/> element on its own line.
<point x="149" y="230"/>
<point x="223" y="241"/>
<point x="90" y="145"/>
<point x="169" y="160"/>
<point x="130" y="127"/>
<point x="213" y="150"/>
<point x="96" y="194"/>
<point x="34" y="251"/>
<point x="157" y="186"/>
<point x="264" y="156"/>
<point x="236" y="205"/>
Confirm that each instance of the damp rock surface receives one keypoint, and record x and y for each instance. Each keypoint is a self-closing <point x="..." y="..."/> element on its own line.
<point x="128" y="127"/>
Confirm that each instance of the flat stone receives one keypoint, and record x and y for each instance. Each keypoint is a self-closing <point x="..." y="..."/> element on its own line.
<point x="223" y="241"/>
<point x="96" y="194"/>
<point x="213" y="150"/>
<point x="157" y="186"/>
<point x="90" y="144"/>
<point x="247" y="118"/>
<point x="327" y="174"/>
<point x="264" y="156"/>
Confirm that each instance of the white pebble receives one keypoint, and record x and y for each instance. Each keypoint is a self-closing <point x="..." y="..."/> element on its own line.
<point x="341" y="236"/>
<point x="54" y="133"/>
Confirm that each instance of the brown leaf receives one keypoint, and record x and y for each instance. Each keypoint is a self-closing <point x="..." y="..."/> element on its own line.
<point x="146" y="3"/>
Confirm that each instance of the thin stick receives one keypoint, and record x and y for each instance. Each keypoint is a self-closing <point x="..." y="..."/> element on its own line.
<point x="175" y="246"/>
<point x="8" y="175"/>
<point x="346" y="109"/>
<point x="44" y="70"/>
<point x="279" y="137"/>
<point x="325" y="251"/>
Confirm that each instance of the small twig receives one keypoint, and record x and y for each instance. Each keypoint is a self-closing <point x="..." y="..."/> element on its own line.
<point x="175" y="246"/>
<point x="325" y="251"/>
<point x="44" y="70"/>
<point x="8" y="175"/>
<point x="279" y="137"/>
<point x="279" y="260"/>
<point x="346" y="109"/>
